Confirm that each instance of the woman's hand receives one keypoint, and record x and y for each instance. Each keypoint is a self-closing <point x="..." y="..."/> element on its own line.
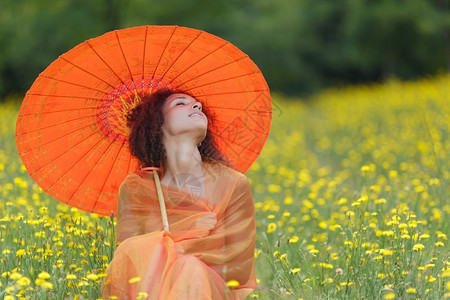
<point x="207" y="221"/>
<point x="179" y="249"/>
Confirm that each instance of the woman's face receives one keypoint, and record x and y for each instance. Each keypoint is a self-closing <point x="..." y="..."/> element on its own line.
<point x="183" y="115"/>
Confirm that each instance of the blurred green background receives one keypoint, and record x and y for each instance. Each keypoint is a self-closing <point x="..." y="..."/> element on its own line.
<point x="301" y="46"/>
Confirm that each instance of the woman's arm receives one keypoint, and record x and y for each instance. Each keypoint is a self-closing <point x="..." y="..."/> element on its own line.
<point x="240" y="234"/>
<point x="127" y="225"/>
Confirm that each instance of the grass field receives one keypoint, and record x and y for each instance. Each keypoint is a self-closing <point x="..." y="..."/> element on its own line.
<point x="351" y="196"/>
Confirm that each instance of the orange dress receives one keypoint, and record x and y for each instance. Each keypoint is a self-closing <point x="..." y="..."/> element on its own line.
<point x="211" y="239"/>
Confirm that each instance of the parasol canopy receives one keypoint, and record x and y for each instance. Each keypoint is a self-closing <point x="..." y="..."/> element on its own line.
<point x="71" y="129"/>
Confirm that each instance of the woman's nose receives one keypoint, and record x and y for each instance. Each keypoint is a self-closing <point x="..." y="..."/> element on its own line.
<point x="197" y="105"/>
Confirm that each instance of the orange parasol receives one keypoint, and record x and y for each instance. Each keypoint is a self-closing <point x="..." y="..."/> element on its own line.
<point x="71" y="129"/>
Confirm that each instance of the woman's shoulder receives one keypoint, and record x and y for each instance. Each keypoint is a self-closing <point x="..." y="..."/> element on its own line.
<point x="220" y="170"/>
<point x="134" y="179"/>
<point x="215" y="170"/>
<point x="133" y="176"/>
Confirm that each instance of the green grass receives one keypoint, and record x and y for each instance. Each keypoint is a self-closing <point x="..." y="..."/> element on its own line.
<point x="351" y="198"/>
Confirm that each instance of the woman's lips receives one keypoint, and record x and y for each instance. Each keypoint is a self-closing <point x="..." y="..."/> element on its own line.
<point x="196" y="114"/>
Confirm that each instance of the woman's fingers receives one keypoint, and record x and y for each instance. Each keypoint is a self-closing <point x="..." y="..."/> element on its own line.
<point x="207" y="221"/>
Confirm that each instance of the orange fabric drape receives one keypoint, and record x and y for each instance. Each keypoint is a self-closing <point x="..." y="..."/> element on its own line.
<point x="211" y="239"/>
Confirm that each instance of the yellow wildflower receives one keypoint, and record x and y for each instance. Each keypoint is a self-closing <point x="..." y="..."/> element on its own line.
<point x="82" y="283"/>
<point x="294" y="239"/>
<point x="47" y="285"/>
<point x="313" y="251"/>
<point x="418" y="247"/>
<point x="142" y="295"/>
<point x="388" y="233"/>
<point x="257" y="253"/>
<point x="386" y="252"/>
<point x="442" y="235"/>
<point x="233" y="283"/>
<point x="134" y="280"/>
<point x="326" y="265"/>
<point x="334" y="227"/>
<point x="402" y="225"/>
<point x="20" y="253"/>
<point x="445" y="273"/>
<point x="271" y="227"/>
<point x="23" y="281"/>
<point x="365" y="168"/>
<point x="15" y="276"/>
<point x="44" y="275"/>
<point x="92" y="276"/>
<point x="6" y="274"/>
<point x="424" y="236"/>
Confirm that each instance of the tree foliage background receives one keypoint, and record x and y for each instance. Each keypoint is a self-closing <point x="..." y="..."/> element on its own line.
<point x="301" y="46"/>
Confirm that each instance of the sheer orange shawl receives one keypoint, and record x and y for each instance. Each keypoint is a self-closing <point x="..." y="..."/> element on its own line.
<point x="211" y="239"/>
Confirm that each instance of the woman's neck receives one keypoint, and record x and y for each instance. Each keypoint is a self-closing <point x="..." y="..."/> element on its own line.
<point x="181" y="157"/>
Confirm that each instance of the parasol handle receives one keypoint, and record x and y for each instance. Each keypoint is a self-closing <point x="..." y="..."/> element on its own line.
<point x="162" y="204"/>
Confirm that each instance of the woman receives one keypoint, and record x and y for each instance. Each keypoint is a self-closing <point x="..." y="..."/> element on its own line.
<point x="209" y="208"/>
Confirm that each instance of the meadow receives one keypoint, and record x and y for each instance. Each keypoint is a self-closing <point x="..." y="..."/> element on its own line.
<point x="351" y="198"/>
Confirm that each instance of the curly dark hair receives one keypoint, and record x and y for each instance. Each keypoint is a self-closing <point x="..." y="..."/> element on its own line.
<point x="146" y="135"/>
